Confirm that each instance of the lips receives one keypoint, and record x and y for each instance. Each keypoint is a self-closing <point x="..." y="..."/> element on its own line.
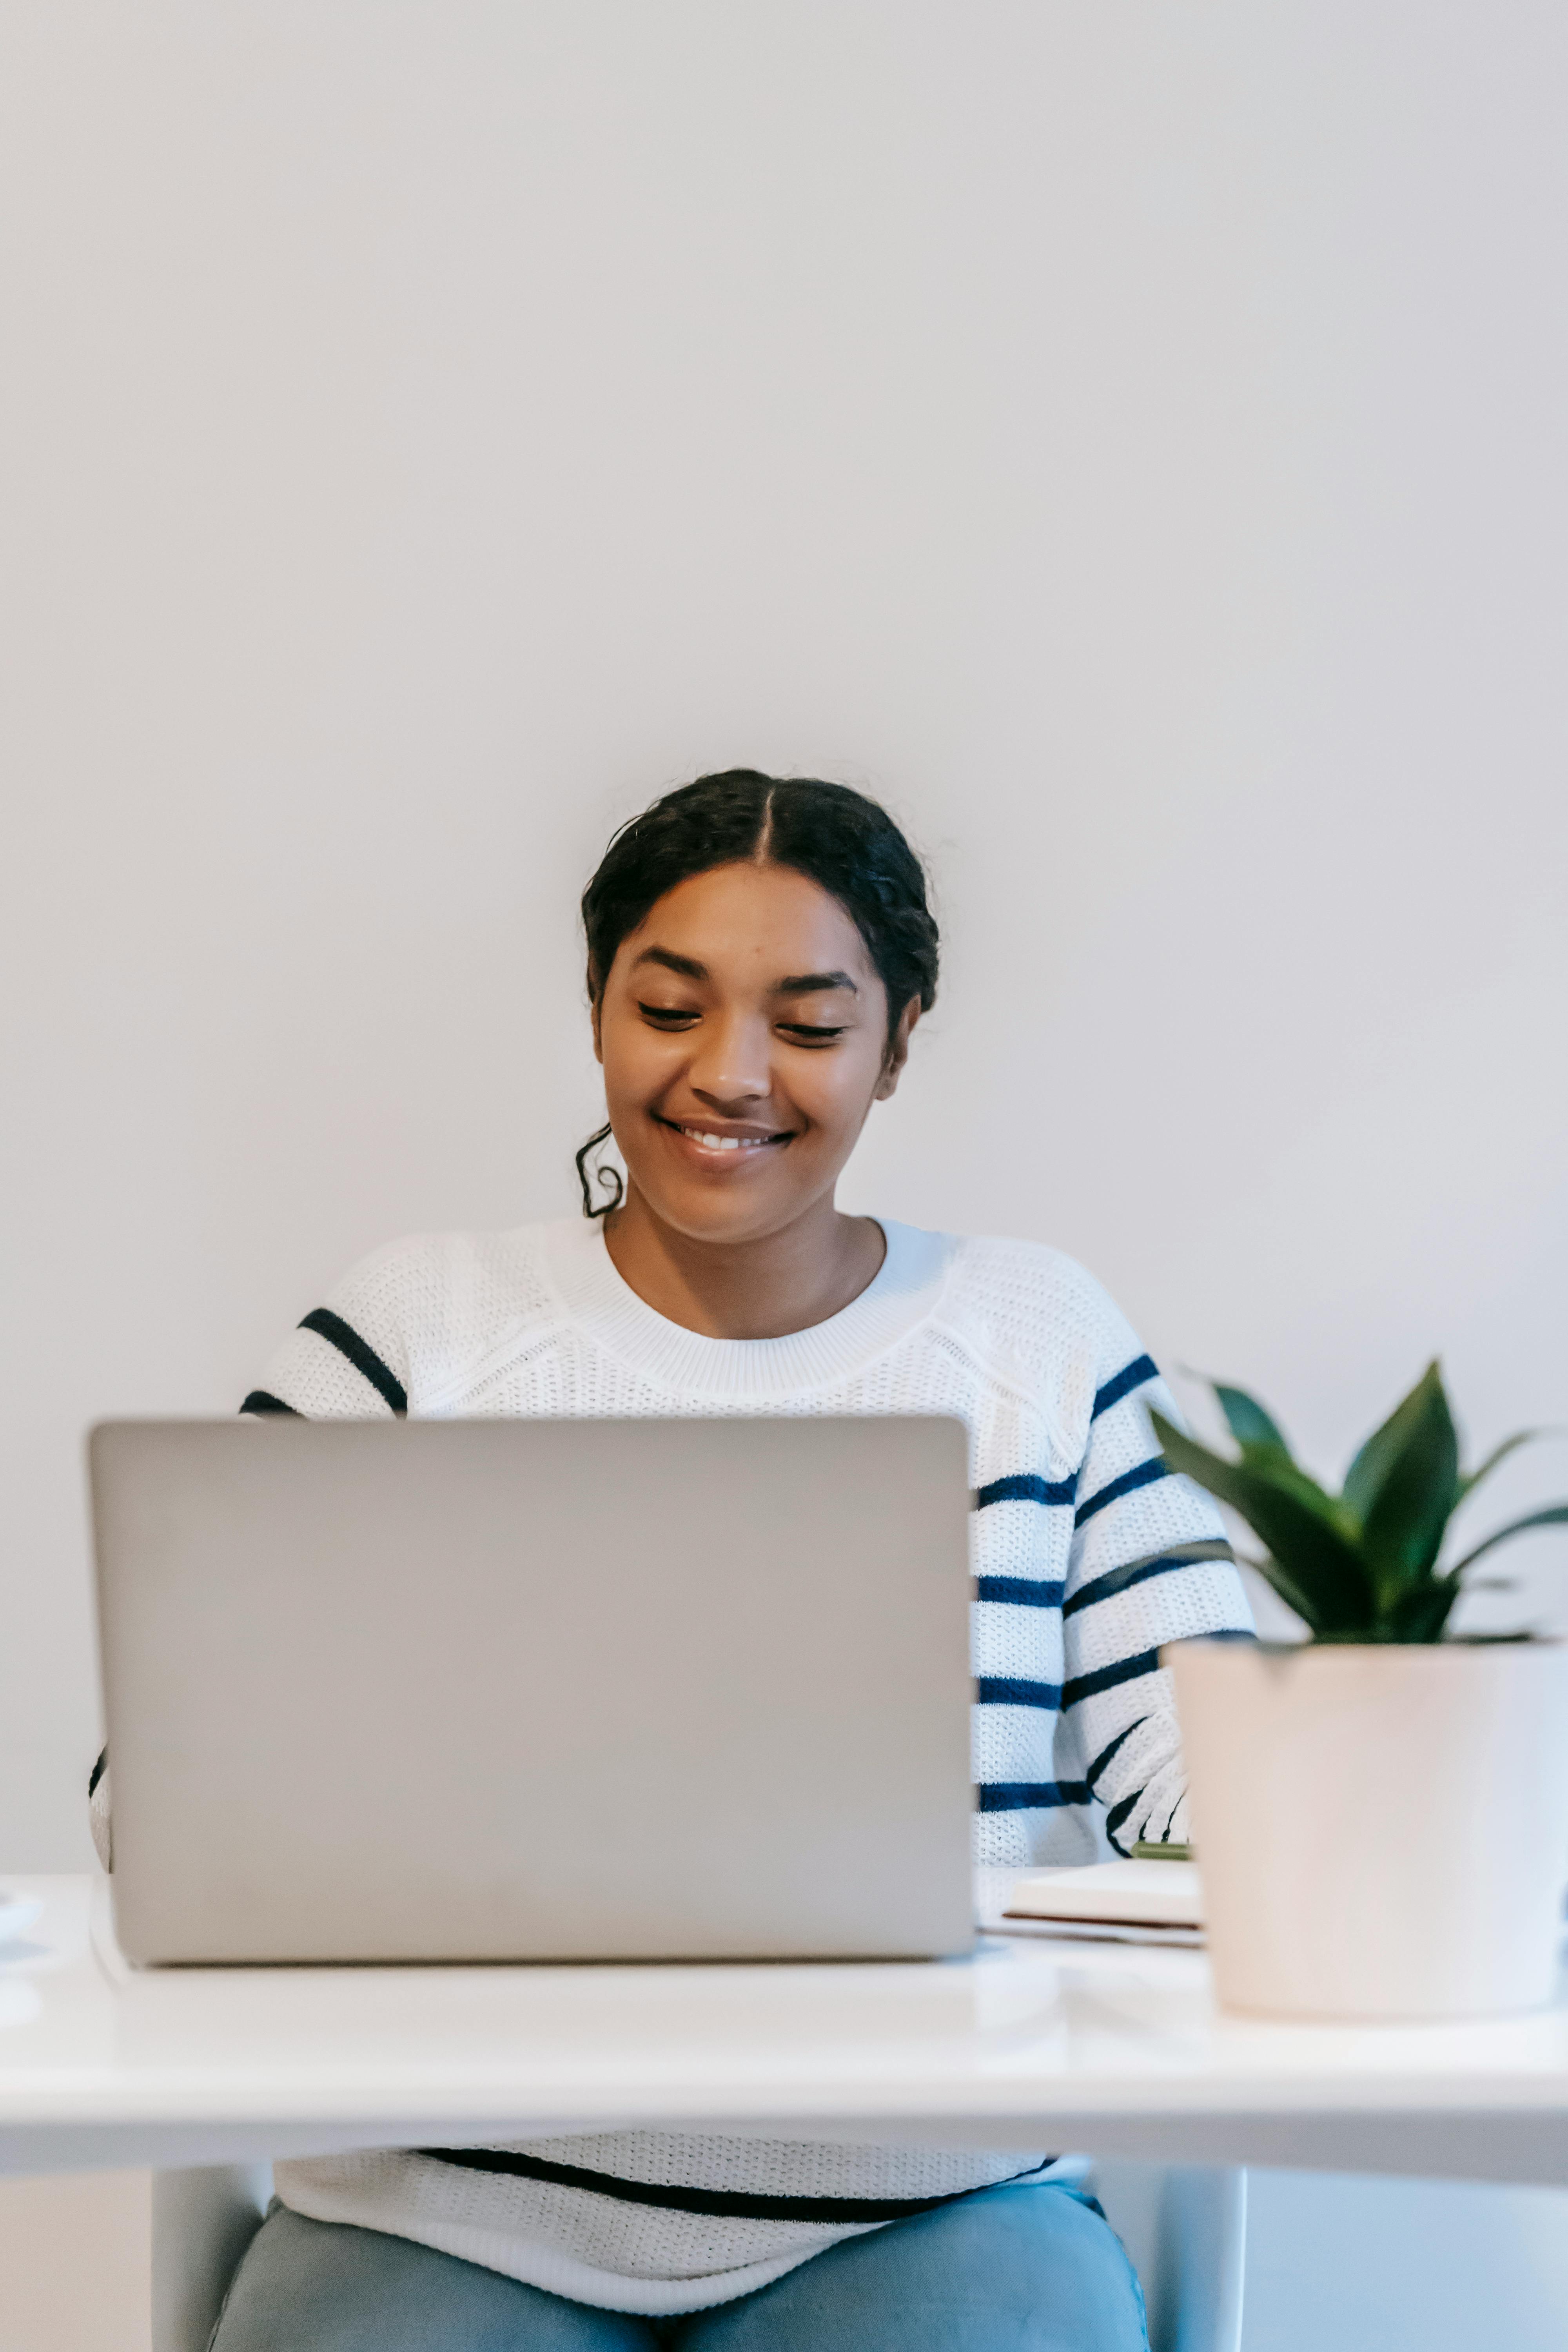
<point x="721" y="1144"/>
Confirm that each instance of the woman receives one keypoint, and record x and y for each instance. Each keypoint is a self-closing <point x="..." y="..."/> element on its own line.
<point x="759" y="954"/>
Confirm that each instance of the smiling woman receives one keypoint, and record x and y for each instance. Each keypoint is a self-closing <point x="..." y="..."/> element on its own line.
<point x="759" y="953"/>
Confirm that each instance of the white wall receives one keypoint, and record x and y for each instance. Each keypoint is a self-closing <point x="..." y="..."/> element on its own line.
<point x="54" y="2301"/>
<point x="1357" y="2265"/>
<point x="1127" y="437"/>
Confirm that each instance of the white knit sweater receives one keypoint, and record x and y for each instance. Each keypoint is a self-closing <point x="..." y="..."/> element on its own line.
<point x="1086" y="1555"/>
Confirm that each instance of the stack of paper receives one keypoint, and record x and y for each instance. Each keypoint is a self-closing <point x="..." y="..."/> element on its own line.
<point x="1118" y="1902"/>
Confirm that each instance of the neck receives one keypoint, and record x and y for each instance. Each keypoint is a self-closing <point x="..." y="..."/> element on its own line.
<point x="761" y="1289"/>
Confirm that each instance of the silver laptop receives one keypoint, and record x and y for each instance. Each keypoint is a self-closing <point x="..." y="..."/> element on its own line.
<point x="536" y="1690"/>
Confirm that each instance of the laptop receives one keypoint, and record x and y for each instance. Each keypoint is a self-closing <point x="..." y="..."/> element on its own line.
<point x="536" y="1690"/>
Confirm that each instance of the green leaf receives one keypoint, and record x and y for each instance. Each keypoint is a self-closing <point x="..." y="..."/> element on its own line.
<point x="1368" y="1473"/>
<point x="1250" y="1426"/>
<point x="1556" y="1517"/>
<point x="1291" y="1594"/>
<point x="1403" y="1486"/>
<point x="1469" y="1483"/>
<point x="1272" y="1573"/>
<point x="1421" y="1613"/>
<point x="1312" y="1565"/>
<point x="1278" y="1468"/>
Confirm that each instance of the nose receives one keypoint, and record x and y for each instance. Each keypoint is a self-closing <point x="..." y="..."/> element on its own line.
<point x="731" y="1068"/>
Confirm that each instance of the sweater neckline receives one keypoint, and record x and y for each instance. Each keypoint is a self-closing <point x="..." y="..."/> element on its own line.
<point x="602" y="1304"/>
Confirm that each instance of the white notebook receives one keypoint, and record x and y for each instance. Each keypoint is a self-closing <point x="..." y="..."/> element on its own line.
<point x="1124" y="1902"/>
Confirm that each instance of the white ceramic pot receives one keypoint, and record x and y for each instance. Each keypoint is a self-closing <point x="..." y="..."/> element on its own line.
<point x="1381" y="1833"/>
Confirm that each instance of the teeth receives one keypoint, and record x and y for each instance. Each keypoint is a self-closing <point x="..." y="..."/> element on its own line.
<point x="723" y="1143"/>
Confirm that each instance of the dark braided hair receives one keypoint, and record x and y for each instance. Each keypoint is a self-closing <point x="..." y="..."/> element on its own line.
<point x="839" y="838"/>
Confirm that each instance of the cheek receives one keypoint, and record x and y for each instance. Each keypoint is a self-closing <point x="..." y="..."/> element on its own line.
<point x="836" y="1090"/>
<point x="638" y="1061"/>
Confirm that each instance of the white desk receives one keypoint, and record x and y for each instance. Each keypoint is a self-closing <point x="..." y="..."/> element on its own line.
<point x="1103" y="2048"/>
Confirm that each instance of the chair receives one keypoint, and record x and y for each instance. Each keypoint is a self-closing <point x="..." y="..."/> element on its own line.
<point x="1184" y="2229"/>
<point x="203" y="2221"/>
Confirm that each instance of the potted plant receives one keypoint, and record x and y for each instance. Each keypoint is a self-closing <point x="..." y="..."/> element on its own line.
<point x="1381" y="1811"/>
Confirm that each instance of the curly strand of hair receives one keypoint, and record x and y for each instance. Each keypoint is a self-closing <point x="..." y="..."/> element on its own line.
<point x="610" y="1178"/>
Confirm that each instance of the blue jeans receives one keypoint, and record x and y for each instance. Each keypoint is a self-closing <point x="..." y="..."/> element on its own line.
<point x="1023" y="2268"/>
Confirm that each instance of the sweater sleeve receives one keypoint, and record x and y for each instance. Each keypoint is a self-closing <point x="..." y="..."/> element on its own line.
<point x="99" y="1818"/>
<point x="348" y="1359"/>
<point x="1149" y="1564"/>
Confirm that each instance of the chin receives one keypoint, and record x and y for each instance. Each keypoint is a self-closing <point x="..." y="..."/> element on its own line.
<point x="701" y="1218"/>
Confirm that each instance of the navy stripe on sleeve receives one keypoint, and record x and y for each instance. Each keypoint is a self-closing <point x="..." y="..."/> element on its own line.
<point x="1005" y="1690"/>
<point x="1138" y="1571"/>
<point x="97" y="1770"/>
<point x="1117" y="1815"/>
<point x="1023" y="1591"/>
<point x="360" y="1354"/>
<point x="263" y="1400"/>
<point x="1143" y="1474"/>
<point x="1105" y="1755"/>
<point x="1131" y="1375"/>
<point x="1104" y="1678"/>
<point x="1030" y="1796"/>
<point x="1026" y="1487"/>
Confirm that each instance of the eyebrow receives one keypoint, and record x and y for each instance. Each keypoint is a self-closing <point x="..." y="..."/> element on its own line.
<point x="687" y="966"/>
<point x="796" y="984"/>
<point x="802" y="983"/>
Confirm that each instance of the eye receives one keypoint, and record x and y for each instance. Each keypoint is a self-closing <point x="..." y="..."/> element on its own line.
<point x="806" y="1032"/>
<point x="667" y="1016"/>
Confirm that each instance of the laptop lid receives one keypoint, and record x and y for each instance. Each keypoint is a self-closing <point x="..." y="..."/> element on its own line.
<point x="507" y="1690"/>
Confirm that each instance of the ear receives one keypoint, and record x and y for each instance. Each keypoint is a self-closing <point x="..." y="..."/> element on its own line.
<point x="595" y="1009"/>
<point x="898" y="1050"/>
